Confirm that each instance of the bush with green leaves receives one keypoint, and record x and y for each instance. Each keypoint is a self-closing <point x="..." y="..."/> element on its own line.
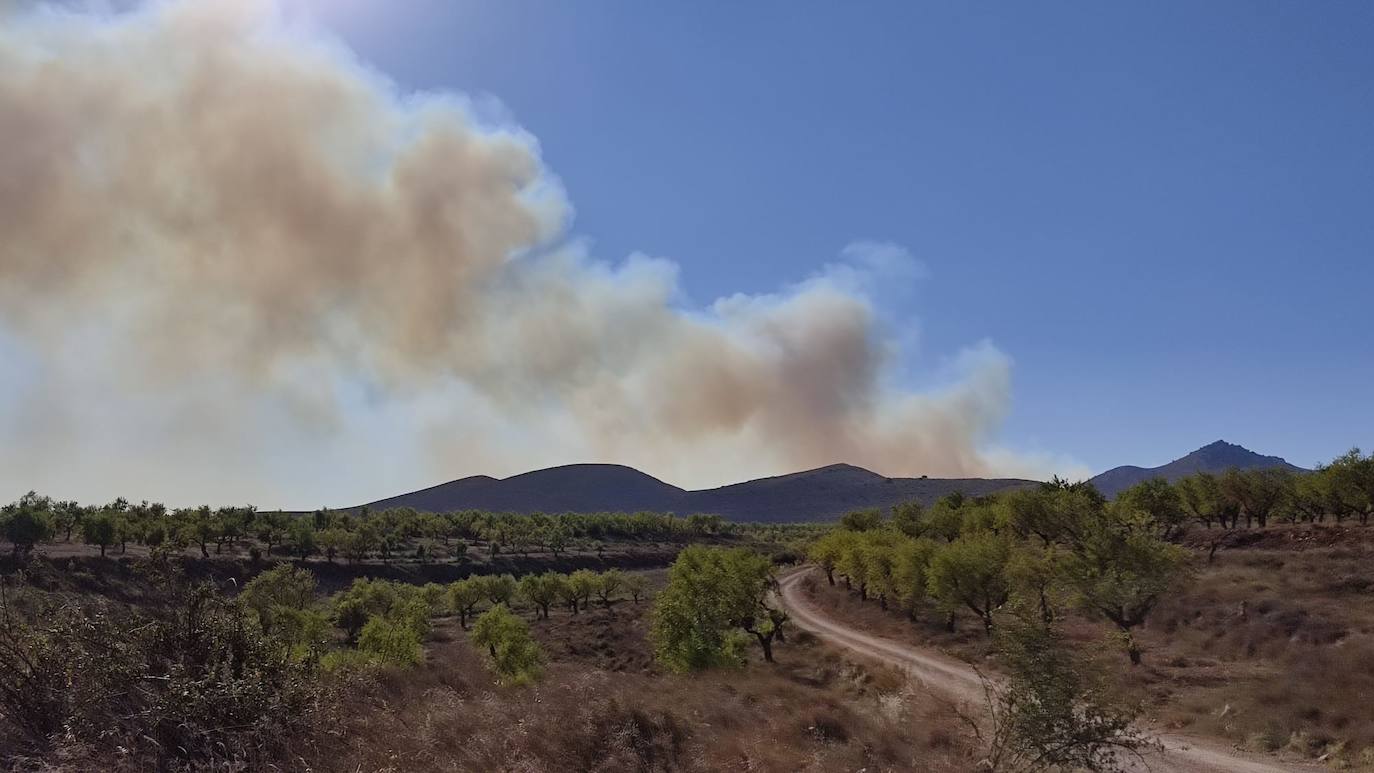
<point x="282" y="587"/>
<point x="391" y="641"/>
<point x="27" y="522"/>
<point x="515" y="656"/>
<point x="714" y="599"/>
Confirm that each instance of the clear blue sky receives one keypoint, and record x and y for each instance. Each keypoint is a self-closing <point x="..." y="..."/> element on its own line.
<point x="1164" y="211"/>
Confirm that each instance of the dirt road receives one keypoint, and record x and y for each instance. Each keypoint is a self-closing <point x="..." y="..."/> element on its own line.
<point x="956" y="680"/>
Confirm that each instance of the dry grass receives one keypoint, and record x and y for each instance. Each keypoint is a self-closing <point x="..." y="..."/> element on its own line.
<point x="604" y="706"/>
<point x="1291" y="669"/>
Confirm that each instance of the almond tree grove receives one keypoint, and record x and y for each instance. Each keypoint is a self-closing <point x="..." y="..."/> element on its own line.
<point x="1034" y="551"/>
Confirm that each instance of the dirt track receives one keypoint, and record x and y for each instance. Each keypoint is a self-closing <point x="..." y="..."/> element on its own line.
<point x="959" y="682"/>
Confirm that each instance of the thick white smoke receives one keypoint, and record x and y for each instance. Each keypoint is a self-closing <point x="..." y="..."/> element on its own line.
<point x="237" y="264"/>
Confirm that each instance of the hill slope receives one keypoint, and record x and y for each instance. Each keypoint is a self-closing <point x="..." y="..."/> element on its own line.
<point x="1215" y="458"/>
<point x="814" y="495"/>
<point x="571" y="488"/>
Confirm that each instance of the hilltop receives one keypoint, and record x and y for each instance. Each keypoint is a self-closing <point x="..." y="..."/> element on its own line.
<point x="821" y="494"/>
<point x="1215" y="458"/>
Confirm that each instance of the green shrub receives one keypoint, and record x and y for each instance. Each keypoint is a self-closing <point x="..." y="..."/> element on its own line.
<point x="515" y="656"/>
<point x="390" y="642"/>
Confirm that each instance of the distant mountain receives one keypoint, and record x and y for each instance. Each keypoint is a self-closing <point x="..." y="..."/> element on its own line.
<point x="573" y="488"/>
<point x="1217" y="457"/>
<point x="830" y="492"/>
<point x="814" y="495"/>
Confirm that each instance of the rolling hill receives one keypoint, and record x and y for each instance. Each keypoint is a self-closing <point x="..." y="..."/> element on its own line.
<point x="1215" y="458"/>
<point x="814" y="495"/>
<point x="822" y="494"/>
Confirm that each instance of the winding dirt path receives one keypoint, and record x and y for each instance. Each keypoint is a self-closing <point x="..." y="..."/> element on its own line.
<point x="958" y="681"/>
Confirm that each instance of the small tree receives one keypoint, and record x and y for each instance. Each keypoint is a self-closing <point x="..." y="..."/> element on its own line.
<point x="391" y="642"/>
<point x="331" y="542"/>
<point x="862" y="520"/>
<point x="971" y="571"/>
<point x="541" y="590"/>
<point x="636" y="585"/>
<point x="1159" y="503"/>
<point x="581" y="585"/>
<point x="910" y="570"/>
<point x="714" y="597"/>
<point x="515" y="656"/>
<point x="1121" y="573"/>
<point x="499" y="588"/>
<point x="609" y="585"/>
<point x="25" y="526"/>
<point x="300" y="539"/>
<point x="827" y="551"/>
<point x="1051" y="713"/>
<point x="464" y="596"/>
<point x="283" y="586"/>
<point x="99" y="529"/>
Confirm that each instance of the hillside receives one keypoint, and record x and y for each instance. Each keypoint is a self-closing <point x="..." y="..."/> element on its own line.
<point x="814" y="495"/>
<point x="1215" y="458"/>
<point x="829" y="492"/>
<point x="570" y="488"/>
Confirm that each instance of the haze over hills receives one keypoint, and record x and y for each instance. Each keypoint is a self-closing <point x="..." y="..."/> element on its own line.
<point x="814" y="495"/>
<point x="821" y="494"/>
<point x="1215" y="458"/>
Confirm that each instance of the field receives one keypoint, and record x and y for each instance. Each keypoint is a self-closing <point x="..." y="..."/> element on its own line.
<point x="603" y="703"/>
<point x="1265" y="646"/>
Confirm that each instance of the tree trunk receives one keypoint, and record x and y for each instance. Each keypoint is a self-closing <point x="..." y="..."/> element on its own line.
<point x="766" y="642"/>
<point x="830" y="575"/>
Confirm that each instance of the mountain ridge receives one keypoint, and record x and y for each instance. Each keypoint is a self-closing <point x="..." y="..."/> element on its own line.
<point x="820" y="494"/>
<point x="1215" y="457"/>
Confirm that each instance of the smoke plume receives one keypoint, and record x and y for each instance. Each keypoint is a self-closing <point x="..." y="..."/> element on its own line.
<point x="235" y="263"/>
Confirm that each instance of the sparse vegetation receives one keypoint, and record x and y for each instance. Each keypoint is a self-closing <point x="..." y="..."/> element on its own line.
<point x="261" y="666"/>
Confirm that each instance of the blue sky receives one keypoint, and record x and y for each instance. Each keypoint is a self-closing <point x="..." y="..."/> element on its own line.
<point x="1161" y="212"/>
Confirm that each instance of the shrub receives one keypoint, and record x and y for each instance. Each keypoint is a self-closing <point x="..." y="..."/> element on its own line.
<point x="190" y="686"/>
<point x="391" y="642"/>
<point x="515" y="656"/>
<point x="1051" y="714"/>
